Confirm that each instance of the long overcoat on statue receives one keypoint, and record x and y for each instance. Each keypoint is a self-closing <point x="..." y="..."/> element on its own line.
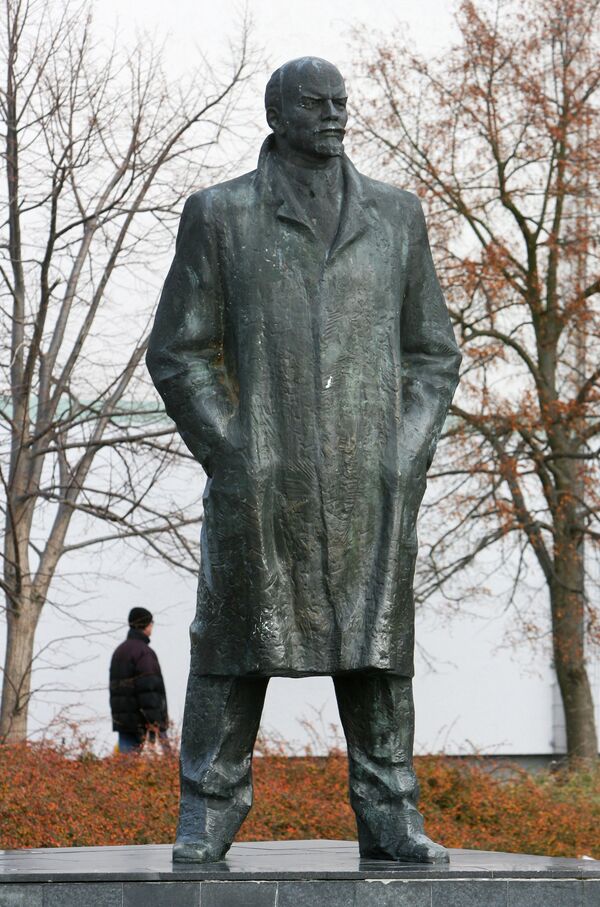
<point x="312" y="385"/>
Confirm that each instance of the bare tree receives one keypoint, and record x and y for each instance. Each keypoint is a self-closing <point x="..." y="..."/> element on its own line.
<point x="98" y="151"/>
<point x="501" y="138"/>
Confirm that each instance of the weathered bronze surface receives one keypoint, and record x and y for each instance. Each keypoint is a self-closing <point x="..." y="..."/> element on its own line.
<point x="303" y="347"/>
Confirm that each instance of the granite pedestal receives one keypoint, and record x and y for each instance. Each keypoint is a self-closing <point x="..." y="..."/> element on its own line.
<point x="290" y="874"/>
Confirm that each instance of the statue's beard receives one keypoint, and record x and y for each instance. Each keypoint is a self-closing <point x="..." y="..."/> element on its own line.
<point x="316" y="144"/>
<point x="330" y="148"/>
<point x="330" y="145"/>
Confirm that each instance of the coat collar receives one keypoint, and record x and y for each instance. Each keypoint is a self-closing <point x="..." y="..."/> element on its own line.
<point x="273" y="184"/>
<point x="137" y="634"/>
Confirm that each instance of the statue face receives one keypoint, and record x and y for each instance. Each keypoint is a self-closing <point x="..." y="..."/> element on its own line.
<point x="313" y="114"/>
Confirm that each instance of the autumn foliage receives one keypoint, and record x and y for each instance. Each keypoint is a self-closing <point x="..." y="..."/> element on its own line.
<point x="500" y="136"/>
<point x="51" y="798"/>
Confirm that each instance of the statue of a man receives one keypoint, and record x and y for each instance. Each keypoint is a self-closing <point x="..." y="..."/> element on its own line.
<point x="303" y="347"/>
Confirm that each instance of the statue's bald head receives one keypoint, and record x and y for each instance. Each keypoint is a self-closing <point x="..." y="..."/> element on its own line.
<point x="305" y="100"/>
<point x="295" y="73"/>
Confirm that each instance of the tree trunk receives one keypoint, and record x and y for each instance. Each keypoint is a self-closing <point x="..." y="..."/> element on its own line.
<point x="16" y="689"/>
<point x="568" y="634"/>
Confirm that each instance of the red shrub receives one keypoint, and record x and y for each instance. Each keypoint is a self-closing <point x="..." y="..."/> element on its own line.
<point x="48" y="798"/>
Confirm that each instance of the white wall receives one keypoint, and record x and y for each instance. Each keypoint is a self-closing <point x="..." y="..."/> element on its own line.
<point x="482" y="695"/>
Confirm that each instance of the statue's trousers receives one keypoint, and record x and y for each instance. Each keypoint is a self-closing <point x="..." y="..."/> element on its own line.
<point x="222" y="716"/>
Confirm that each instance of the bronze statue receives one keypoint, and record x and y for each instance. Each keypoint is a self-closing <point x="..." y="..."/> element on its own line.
<point x="303" y="347"/>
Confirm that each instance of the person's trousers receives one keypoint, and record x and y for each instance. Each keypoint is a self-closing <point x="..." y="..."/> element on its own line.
<point x="130" y="741"/>
<point x="222" y="716"/>
<point x="133" y="741"/>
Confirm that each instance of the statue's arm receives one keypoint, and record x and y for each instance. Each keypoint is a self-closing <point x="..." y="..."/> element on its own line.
<point x="185" y="350"/>
<point x="430" y="356"/>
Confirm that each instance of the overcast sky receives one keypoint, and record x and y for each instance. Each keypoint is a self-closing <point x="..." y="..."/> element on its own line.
<point x="190" y="29"/>
<point x="281" y="31"/>
<point x="448" y="715"/>
<point x="285" y="29"/>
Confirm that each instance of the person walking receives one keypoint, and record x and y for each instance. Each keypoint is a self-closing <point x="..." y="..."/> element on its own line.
<point x="138" y="701"/>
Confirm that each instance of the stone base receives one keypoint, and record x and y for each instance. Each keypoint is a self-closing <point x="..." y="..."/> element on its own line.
<point x="290" y="874"/>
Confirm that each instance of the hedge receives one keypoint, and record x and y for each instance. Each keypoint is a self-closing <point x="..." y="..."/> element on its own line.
<point x="53" y="798"/>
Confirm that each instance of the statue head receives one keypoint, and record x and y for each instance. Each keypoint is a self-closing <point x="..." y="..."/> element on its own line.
<point x="305" y="102"/>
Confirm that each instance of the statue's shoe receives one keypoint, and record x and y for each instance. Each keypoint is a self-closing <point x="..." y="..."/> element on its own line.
<point x="203" y="851"/>
<point x="415" y="848"/>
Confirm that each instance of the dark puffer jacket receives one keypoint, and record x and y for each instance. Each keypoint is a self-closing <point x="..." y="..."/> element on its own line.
<point x="137" y="690"/>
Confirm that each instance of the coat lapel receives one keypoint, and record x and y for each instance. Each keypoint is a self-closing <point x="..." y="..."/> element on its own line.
<point x="271" y="181"/>
<point x="289" y="209"/>
<point x="354" y="220"/>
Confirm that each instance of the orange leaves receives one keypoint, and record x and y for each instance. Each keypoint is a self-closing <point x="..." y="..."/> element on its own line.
<point x="500" y="136"/>
<point x="48" y="799"/>
<point x="485" y="351"/>
<point x="467" y="806"/>
<point x="300" y="797"/>
<point x="505" y="511"/>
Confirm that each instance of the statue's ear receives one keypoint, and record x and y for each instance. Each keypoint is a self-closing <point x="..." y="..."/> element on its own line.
<point x="274" y="119"/>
